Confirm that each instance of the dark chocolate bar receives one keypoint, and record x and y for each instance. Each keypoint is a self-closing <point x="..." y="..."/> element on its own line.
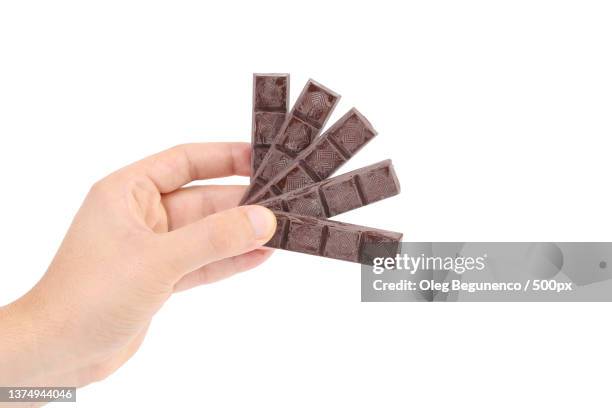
<point x="305" y="121"/>
<point x="332" y="239"/>
<point x="318" y="161"/>
<point x="339" y="194"/>
<point x="270" y="105"/>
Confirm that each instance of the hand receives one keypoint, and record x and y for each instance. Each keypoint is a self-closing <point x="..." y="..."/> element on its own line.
<point x="137" y="238"/>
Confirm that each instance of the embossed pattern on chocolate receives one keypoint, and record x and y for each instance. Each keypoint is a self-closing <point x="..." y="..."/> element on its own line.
<point x="316" y="105"/>
<point x="270" y="105"/>
<point x="339" y="194"/>
<point x="299" y="128"/>
<point x="318" y="161"/>
<point x="330" y="239"/>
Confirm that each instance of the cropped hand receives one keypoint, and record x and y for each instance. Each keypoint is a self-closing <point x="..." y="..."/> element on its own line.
<point x="139" y="237"/>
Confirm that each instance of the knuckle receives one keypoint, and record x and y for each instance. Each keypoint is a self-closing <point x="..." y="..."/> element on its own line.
<point x="98" y="187"/>
<point x="107" y="185"/>
<point x="101" y="191"/>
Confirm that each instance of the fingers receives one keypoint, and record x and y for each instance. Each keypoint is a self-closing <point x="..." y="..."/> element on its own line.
<point x="223" y="269"/>
<point x="182" y="164"/>
<point x="221" y="235"/>
<point x="190" y="204"/>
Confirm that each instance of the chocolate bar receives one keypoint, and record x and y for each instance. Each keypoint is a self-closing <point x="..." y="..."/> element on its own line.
<point x="305" y="121"/>
<point x="339" y="194"/>
<point x="270" y="105"/>
<point x="332" y="239"/>
<point x="318" y="161"/>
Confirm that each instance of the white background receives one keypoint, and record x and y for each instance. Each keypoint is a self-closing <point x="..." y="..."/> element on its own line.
<point x="496" y="115"/>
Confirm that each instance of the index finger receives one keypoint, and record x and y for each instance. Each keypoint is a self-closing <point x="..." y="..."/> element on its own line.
<point x="182" y="164"/>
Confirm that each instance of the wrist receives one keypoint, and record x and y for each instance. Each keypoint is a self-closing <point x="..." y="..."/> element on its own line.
<point x="26" y="353"/>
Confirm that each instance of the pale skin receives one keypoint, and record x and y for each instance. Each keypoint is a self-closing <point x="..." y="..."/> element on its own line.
<point x="139" y="237"/>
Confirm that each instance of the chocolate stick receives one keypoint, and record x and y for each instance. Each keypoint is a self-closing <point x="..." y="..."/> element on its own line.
<point x="341" y="193"/>
<point x="321" y="159"/>
<point x="332" y="239"/>
<point x="270" y="105"/>
<point x="305" y="121"/>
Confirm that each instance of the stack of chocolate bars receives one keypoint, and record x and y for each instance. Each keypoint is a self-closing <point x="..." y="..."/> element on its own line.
<point x="292" y="165"/>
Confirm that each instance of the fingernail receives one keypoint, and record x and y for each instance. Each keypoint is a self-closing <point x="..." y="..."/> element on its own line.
<point x="262" y="221"/>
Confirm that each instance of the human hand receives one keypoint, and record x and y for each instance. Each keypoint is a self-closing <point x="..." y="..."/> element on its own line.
<point x="137" y="238"/>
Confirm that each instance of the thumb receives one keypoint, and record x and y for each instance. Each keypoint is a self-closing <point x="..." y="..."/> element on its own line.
<point x="217" y="236"/>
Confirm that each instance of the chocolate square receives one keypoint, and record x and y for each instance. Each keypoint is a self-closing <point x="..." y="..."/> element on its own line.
<point x="270" y="92"/>
<point x="267" y="125"/>
<point x="342" y="244"/>
<point x="353" y="134"/>
<point x="306" y="204"/>
<point x="324" y="160"/>
<point x="341" y="197"/>
<point x="316" y="104"/>
<point x="378" y="184"/>
<point x="277" y="162"/>
<point x="296" y="178"/>
<point x="304" y="237"/>
<point x="297" y="136"/>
